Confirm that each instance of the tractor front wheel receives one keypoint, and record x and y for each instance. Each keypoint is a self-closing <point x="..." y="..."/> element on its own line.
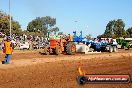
<point x="71" y="48"/>
<point x="115" y="48"/>
<point x="128" y="47"/>
<point x="110" y="49"/>
<point x="58" y="50"/>
<point x="47" y="50"/>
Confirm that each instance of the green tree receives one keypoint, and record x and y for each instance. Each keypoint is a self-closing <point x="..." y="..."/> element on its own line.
<point x="109" y="29"/>
<point x="129" y="32"/>
<point x="4" y="24"/>
<point x="42" y="25"/>
<point x="114" y="29"/>
<point x="119" y="30"/>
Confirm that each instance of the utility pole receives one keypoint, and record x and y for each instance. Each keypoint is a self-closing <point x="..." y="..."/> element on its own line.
<point x="10" y="17"/>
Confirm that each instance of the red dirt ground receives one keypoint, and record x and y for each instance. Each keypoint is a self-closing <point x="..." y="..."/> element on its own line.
<point x="29" y="69"/>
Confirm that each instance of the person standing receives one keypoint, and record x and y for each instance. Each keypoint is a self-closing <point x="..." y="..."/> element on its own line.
<point x="70" y="37"/>
<point x="7" y="50"/>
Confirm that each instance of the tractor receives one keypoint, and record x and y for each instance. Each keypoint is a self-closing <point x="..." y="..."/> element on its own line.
<point x="124" y="43"/>
<point x="60" y="45"/>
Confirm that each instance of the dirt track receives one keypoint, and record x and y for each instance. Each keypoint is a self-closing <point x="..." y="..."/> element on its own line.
<point x="32" y="70"/>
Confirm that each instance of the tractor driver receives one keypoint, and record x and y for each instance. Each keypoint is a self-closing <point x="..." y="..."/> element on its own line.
<point x="69" y="37"/>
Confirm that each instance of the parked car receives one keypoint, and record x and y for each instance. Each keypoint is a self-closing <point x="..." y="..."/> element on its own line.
<point x="24" y="46"/>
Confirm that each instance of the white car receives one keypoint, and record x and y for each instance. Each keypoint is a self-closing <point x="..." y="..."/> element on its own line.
<point x="24" y="46"/>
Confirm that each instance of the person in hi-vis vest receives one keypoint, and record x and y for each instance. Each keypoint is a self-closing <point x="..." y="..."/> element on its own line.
<point x="70" y="37"/>
<point x="7" y="49"/>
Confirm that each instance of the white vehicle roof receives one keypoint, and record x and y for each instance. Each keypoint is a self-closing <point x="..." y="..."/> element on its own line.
<point x="128" y="38"/>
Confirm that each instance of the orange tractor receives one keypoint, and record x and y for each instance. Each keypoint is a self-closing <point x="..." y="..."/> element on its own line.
<point x="59" y="46"/>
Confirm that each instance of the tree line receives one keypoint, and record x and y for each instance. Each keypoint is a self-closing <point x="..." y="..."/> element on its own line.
<point x="40" y="26"/>
<point x="116" y="29"/>
<point x="4" y="24"/>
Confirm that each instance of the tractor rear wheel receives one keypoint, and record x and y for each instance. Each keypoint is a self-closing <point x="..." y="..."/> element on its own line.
<point x="47" y="50"/>
<point x="123" y="47"/>
<point x="110" y="49"/>
<point x="71" y="48"/>
<point x="58" y="50"/>
<point x="114" y="49"/>
<point x="128" y="47"/>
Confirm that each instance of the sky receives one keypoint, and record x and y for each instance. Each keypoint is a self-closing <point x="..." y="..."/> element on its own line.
<point x="90" y="16"/>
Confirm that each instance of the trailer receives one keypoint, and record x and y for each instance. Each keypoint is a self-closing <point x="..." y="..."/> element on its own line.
<point x="105" y="46"/>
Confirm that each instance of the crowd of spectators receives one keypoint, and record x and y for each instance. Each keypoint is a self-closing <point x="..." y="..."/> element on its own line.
<point x="34" y="42"/>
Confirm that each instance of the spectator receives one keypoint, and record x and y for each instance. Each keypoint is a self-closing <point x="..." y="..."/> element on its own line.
<point x="7" y="50"/>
